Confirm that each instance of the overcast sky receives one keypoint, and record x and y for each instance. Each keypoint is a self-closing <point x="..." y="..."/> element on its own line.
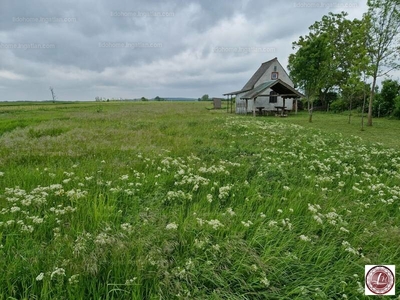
<point x="130" y="49"/>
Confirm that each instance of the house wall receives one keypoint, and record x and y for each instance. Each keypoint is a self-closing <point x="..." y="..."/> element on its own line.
<point x="264" y="101"/>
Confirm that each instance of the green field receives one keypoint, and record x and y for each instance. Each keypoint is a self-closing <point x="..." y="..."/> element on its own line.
<point x="176" y="201"/>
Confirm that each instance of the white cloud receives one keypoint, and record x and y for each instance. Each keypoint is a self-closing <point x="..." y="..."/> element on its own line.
<point x="4" y="74"/>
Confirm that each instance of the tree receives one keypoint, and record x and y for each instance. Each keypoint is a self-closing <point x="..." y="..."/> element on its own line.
<point x="344" y="42"/>
<point x="337" y="31"/>
<point x="384" y="103"/>
<point x="357" y="55"/>
<point x="338" y="44"/>
<point x="383" y="17"/>
<point x="309" y="68"/>
<point x="205" y="98"/>
<point x="53" y="95"/>
<point x="396" y="111"/>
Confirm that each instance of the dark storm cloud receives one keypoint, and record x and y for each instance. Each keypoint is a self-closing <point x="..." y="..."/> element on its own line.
<point x="127" y="48"/>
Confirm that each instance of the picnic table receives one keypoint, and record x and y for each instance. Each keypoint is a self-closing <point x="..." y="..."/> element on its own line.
<point x="280" y="111"/>
<point x="260" y="110"/>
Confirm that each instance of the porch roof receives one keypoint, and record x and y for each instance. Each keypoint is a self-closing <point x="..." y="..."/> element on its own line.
<point x="281" y="88"/>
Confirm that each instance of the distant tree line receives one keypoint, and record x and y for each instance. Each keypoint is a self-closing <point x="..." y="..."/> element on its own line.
<point x="103" y="99"/>
<point x="205" y="97"/>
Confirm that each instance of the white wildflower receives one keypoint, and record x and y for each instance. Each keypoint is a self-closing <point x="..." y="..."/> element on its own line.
<point x="57" y="272"/>
<point x="27" y="228"/>
<point x="40" y="277"/>
<point x="209" y="198"/>
<point x="318" y="219"/>
<point x="171" y="226"/>
<point x="312" y="208"/>
<point x="15" y="209"/>
<point x="247" y="224"/>
<point x="215" y="224"/>
<point x="130" y="281"/>
<point x="124" y="177"/>
<point x="265" y="281"/>
<point x="200" y="221"/>
<point x="224" y="191"/>
<point x="73" y="279"/>
<point x="216" y="247"/>
<point x="305" y="238"/>
<point x="230" y="211"/>
<point x="272" y="223"/>
<point x="37" y="220"/>
<point x="126" y="227"/>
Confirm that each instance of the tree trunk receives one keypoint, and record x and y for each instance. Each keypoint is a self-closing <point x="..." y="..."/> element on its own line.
<point x="371" y="99"/>
<point x="310" y="109"/>
<point x="363" y="106"/>
<point x="351" y="99"/>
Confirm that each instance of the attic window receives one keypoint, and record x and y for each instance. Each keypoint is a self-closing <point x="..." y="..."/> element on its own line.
<point x="274" y="75"/>
<point x="275" y="68"/>
<point x="272" y="97"/>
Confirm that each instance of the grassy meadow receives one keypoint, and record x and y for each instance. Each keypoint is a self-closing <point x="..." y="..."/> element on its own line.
<point x="172" y="200"/>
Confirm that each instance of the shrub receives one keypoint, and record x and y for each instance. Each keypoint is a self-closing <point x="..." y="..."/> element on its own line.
<point x="396" y="111"/>
<point x="338" y="106"/>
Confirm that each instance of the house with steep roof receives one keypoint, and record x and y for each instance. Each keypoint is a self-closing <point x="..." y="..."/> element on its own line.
<point x="269" y="89"/>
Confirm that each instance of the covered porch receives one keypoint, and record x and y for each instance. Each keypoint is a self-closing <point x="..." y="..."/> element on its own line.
<point x="280" y="89"/>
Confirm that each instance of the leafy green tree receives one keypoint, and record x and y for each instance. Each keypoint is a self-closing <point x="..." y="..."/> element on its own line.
<point x="343" y="57"/>
<point x="357" y="62"/>
<point x="345" y="43"/>
<point x="205" y="98"/>
<point x="309" y="68"/>
<point x="383" y="17"/>
<point x="384" y="103"/>
<point x="396" y="112"/>
<point x="337" y="32"/>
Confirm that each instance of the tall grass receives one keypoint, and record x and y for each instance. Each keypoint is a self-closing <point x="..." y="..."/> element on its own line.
<point x="167" y="200"/>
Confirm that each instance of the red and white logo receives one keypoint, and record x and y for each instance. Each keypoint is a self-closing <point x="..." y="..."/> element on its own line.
<point x="380" y="280"/>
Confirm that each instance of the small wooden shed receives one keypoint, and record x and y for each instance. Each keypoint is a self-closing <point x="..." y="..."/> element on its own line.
<point x="217" y="103"/>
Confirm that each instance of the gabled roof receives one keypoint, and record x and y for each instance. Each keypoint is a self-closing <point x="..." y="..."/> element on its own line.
<point x="278" y="86"/>
<point x="257" y="75"/>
